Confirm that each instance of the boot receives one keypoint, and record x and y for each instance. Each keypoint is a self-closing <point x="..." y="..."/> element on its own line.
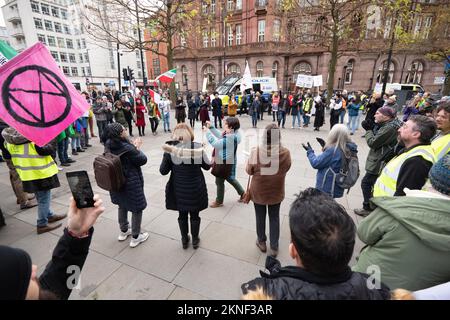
<point x="2" y="219"/>
<point x="184" y="229"/>
<point x="195" y="228"/>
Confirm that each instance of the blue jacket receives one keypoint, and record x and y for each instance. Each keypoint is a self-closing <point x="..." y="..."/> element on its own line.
<point x="353" y="109"/>
<point x="328" y="164"/>
<point x="224" y="146"/>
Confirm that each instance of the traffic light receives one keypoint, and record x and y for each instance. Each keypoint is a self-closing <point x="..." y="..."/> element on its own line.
<point x="131" y="74"/>
<point x="125" y="74"/>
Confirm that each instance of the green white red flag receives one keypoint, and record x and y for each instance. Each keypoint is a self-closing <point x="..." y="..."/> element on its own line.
<point x="167" y="76"/>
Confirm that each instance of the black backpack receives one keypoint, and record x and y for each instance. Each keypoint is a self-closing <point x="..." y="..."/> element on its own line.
<point x="108" y="171"/>
<point x="349" y="172"/>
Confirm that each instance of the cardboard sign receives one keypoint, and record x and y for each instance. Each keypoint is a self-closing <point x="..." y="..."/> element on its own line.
<point x="304" y="81"/>
<point x="36" y="97"/>
<point x="317" y="80"/>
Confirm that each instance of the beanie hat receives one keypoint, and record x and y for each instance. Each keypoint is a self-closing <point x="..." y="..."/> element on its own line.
<point x="115" y="130"/>
<point x="15" y="273"/>
<point x="440" y="175"/>
<point x="387" y="111"/>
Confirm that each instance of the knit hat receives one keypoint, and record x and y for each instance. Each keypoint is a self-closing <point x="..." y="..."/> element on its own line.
<point x="15" y="273"/>
<point x="388" y="111"/>
<point x="115" y="130"/>
<point x="440" y="175"/>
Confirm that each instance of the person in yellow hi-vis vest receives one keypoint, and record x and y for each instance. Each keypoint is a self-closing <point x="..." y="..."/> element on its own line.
<point x="441" y="142"/>
<point x="38" y="172"/>
<point x="409" y="169"/>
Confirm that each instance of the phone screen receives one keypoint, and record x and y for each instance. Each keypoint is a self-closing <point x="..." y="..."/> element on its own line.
<point x="81" y="188"/>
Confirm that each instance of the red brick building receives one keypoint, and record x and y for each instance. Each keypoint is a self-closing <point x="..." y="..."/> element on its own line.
<point x="156" y="64"/>
<point x="255" y="30"/>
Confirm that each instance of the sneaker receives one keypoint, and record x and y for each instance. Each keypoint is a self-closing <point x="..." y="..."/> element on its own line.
<point x="124" y="235"/>
<point x="362" y="212"/>
<point x="215" y="204"/>
<point x="60" y="169"/>
<point x="80" y="150"/>
<point x="141" y="238"/>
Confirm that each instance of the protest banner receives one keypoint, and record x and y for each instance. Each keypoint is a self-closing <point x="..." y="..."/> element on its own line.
<point x="304" y="81"/>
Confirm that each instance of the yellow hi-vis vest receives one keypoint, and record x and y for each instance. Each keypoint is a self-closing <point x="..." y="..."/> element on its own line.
<point x="441" y="146"/>
<point x="29" y="164"/>
<point x="386" y="183"/>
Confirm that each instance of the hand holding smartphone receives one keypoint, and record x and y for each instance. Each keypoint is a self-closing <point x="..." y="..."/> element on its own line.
<point x="81" y="188"/>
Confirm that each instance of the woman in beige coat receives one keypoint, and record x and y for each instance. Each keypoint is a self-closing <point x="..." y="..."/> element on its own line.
<point x="268" y="164"/>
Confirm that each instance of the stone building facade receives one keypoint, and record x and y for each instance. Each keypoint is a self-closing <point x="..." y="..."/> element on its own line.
<point x="255" y="31"/>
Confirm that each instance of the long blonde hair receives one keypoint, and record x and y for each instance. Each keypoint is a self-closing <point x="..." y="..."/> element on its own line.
<point x="338" y="137"/>
<point x="183" y="133"/>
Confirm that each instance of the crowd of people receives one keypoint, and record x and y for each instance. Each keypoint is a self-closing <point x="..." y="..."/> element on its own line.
<point x="406" y="189"/>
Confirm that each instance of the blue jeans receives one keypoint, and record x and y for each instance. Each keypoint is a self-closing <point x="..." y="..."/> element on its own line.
<point x="166" y="121"/>
<point x="306" y="119"/>
<point x="62" y="150"/>
<point x="281" y="118"/>
<point x="352" y="123"/>
<point x="342" y="115"/>
<point x="254" y="118"/>
<point x="43" y="199"/>
<point x="297" y="116"/>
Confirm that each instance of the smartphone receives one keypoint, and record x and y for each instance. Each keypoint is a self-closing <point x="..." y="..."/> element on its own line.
<point x="81" y="188"/>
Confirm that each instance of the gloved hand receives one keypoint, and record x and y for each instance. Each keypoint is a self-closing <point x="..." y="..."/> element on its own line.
<point x="307" y="146"/>
<point x="321" y="141"/>
<point x="368" y="124"/>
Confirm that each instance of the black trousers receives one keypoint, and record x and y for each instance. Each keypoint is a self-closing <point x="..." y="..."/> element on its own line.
<point x="367" y="183"/>
<point x="274" y="223"/>
<point x="130" y="126"/>
<point x="154" y="124"/>
<point x="215" y="121"/>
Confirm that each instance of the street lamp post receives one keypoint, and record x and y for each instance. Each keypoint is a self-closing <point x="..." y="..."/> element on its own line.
<point x="118" y="68"/>
<point x="141" y="53"/>
<point x="389" y="59"/>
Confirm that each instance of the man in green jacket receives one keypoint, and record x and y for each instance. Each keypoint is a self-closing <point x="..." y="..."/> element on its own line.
<point x="408" y="238"/>
<point x="381" y="137"/>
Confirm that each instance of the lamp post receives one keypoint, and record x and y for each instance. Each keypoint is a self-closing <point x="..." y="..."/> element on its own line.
<point x="118" y="68"/>
<point x="141" y="53"/>
<point x="89" y="61"/>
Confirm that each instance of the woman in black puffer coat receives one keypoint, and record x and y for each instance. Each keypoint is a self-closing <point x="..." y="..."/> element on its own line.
<point x="131" y="197"/>
<point x="186" y="189"/>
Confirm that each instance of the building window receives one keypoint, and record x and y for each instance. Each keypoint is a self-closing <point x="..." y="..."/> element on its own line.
<point x="35" y="6"/>
<point x="69" y="43"/>
<point x="138" y="64"/>
<point x="66" y="29"/>
<point x="72" y="58"/>
<point x="261" y="30"/>
<point x="64" y="14"/>
<point x="55" y="12"/>
<point x="58" y="27"/>
<point x="51" y="41"/>
<point x="61" y="43"/>
<point x="275" y="70"/>
<point x="276" y="30"/>
<point x="230" y="5"/>
<point x="48" y="25"/>
<point x="348" y="72"/>
<point x="213" y="37"/>
<point x="184" y="75"/>
<point x="238" y="34"/>
<point x="66" y="71"/>
<point x="210" y="74"/>
<point x="83" y="72"/>
<point x="204" y="7"/>
<point x="55" y="55"/>
<point x="83" y="43"/>
<point x="88" y="71"/>
<point x="387" y="27"/>
<point x="45" y="9"/>
<point x="233" y="68"/>
<point x="381" y="70"/>
<point x="238" y="4"/>
<point x="78" y="44"/>
<point x="415" y="72"/>
<point x="74" y="71"/>
<point x="301" y="68"/>
<point x="80" y="57"/>
<point x="417" y="26"/>
<point x="38" y="23"/>
<point x="427" y="27"/>
<point x="156" y="67"/>
<point x="63" y="57"/>
<point x="41" y="38"/>
<point x="259" y="69"/>
<point x="213" y="7"/>
<point x="205" y="39"/>
<point x="86" y="57"/>
<point x="230" y="35"/>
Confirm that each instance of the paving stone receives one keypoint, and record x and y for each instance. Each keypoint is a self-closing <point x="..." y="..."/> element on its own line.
<point x="105" y="240"/>
<point x="184" y="294"/>
<point x="15" y="230"/>
<point x="159" y="256"/>
<point x="127" y="283"/>
<point x="39" y="246"/>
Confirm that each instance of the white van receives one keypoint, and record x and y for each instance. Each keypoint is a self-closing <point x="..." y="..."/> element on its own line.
<point x="403" y="91"/>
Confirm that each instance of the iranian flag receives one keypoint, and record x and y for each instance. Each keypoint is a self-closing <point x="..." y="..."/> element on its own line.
<point x="167" y="76"/>
<point x="155" y="96"/>
<point x="6" y="52"/>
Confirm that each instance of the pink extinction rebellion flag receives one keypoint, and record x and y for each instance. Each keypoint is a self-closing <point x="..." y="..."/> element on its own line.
<point x="36" y="97"/>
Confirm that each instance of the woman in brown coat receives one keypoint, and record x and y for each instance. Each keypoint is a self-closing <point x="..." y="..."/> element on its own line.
<point x="268" y="164"/>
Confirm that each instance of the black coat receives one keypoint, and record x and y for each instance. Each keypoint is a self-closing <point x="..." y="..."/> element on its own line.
<point x="295" y="283"/>
<point x="186" y="188"/>
<point x="217" y="107"/>
<point x="68" y="252"/>
<point x="372" y="109"/>
<point x="319" y="115"/>
<point x="192" y="109"/>
<point x="131" y="197"/>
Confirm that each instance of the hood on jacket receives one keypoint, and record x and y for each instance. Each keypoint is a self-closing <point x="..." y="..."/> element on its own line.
<point x="12" y="136"/>
<point x="184" y="151"/>
<point x="427" y="218"/>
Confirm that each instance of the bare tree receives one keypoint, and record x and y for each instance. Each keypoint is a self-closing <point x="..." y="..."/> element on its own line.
<point x="119" y="21"/>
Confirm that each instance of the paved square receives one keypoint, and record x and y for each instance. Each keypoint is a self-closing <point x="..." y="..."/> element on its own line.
<point x="160" y="268"/>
